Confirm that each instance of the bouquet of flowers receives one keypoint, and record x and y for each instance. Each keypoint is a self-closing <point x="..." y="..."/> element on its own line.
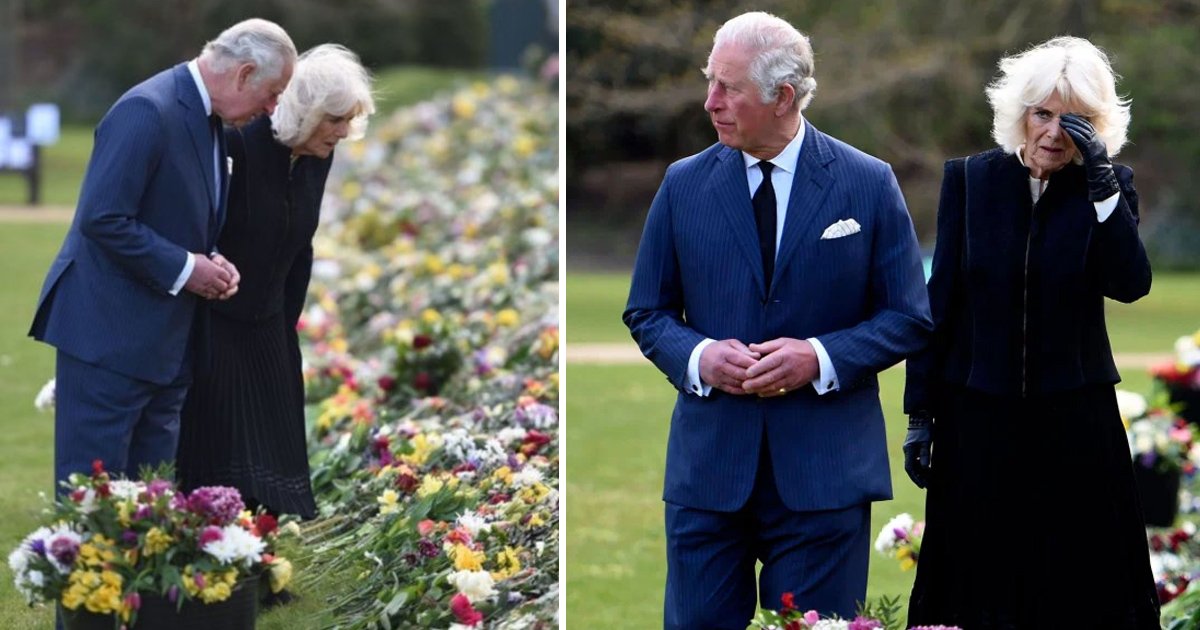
<point x="113" y="542"/>
<point x="901" y="539"/>
<point x="882" y="614"/>
<point x="1184" y="371"/>
<point x="1158" y="439"/>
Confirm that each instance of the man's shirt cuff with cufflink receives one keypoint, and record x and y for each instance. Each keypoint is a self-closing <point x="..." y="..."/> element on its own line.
<point x="827" y="380"/>
<point x="184" y="275"/>
<point x="694" y="384"/>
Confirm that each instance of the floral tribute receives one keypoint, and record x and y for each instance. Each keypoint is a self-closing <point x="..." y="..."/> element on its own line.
<point x="881" y="614"/>
<point x="901" y="538"/>
<point x="431" y="352"/>
<point x="1158" y="438"/>
<point x="113" y="541"/>
<point x="1184" y="371"/>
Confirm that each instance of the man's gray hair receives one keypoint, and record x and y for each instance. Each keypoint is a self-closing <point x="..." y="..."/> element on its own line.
<point x="328" y="80"/>
<point x="260" y="42"/>
<point x="781" y="54"/>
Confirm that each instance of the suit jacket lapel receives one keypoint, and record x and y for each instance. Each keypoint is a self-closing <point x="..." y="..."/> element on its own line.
<point x="223" y="167"/>
<point x="197" y="126"/>
<point x="810" y="187"/>
<point x="728" y="188"/>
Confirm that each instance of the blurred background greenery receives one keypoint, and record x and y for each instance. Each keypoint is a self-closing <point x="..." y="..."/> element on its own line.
<point x="902" y="80"/>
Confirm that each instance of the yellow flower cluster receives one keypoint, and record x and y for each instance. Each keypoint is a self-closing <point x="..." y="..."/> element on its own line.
<point x="98" y="591"/>
<point x="534" y="494"/>
<point x="507" y="564"/>
<point x="389" y="501"/>
<point x="338" y="406"/>
<point x="96" y="552"/>
<point x="467" y="559"/>
<point x="279" y="573"/>
<point x="218" y="586"/>
<point x="157" y="541"/>
<point x="423" y="447"/>
<point x="904" y="554"/>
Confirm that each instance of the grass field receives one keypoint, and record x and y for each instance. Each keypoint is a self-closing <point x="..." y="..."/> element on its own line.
<point x="617" y="419"/>
<point x="26" y="451"/>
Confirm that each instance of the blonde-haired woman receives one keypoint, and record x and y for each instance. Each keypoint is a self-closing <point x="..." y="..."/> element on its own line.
<point x="1032" y="517"/>
<point x="243" y="420"/>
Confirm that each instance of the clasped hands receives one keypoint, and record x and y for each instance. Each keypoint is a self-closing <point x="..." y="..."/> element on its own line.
<point x="213" y="278"/>
<point x="768" y="369"/>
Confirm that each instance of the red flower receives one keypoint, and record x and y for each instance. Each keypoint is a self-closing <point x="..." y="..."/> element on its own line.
<point x="406" y="482"/>
<point x="387" y="382"/>
<point x="103" y="490"/>
<point x="462" y="609"/>
<point x="788" y="600"/>
<point x="423" y="381"/>
<point x="97" y="467"/>
<point x="265" y="523"/>
<point x="422" y="341"/>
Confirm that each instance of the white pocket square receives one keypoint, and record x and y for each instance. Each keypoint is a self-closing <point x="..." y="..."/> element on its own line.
<point x="845" y="227"/>
<point x="229" y="164"/>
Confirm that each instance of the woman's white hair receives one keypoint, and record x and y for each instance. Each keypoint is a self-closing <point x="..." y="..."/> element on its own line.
<point x="1077" y="71"/>
<point x="328" y="80"/>
<point x="781" y="54"/>
<point x="260" y="42"/>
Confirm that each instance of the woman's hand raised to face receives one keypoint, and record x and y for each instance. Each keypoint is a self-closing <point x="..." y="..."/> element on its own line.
<point x="1102" y="182"/>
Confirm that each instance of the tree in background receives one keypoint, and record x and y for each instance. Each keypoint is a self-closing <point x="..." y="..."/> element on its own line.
<point x="901" y="80"/>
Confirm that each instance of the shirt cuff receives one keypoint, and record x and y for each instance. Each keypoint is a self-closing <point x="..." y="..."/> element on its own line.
<point x="694" y="384"/>
<point x="184" y="275"/>
<point x="827" y="380"/>
<point x="1105" y="208"/>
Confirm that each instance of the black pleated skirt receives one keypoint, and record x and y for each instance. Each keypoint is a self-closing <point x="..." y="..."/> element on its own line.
<point x="243" y="421"/>
<point x="1032" y="517"/>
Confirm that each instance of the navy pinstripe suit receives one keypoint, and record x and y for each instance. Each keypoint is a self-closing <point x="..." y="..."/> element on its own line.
<point x="148" y="199"/>
<point x="699" y="274"/>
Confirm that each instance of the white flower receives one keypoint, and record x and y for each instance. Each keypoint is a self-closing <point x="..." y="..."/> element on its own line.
<point x="473" y="523"/>
<point x="886" y="541"/>
<point x="1187" y="351"/>
<point x="236" y="545"/>
<point x="527" y="477"/>
<point x="126" y="489"/>
<point x="508" y="435"/>
<point x="1131" y="405"/>
<point x="831" y="624"/>
<point x="459" y="445"/>
<point x="87" y="504"/>
<point x="45" y="397"/>
<point x="476" y="585"/>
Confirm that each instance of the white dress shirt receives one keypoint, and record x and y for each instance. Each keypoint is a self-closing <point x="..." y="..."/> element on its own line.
<point x="190" y="264"/>
<point x="781" y="179"/>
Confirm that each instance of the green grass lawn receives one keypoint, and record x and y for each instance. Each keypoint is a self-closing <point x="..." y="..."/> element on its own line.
<point x="64" y="162"/>
<point x="618" y="416"/>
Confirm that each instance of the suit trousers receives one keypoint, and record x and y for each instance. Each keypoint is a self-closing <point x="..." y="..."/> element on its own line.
<point x="122" y="421"/>
<point x="820" y="557"/>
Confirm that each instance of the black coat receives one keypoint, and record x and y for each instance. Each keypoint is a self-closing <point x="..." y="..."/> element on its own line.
<point x="274" y="207"/>
<point x="1018" y="304"/>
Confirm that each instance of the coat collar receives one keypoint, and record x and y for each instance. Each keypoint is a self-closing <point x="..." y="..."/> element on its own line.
<point x="810" y="187"/>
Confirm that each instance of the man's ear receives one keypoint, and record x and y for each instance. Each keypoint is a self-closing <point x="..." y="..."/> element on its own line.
<point x="785" y="99"/>
<point x="244" y="72"/>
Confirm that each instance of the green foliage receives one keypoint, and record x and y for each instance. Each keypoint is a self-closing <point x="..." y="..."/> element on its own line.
<point x="901" y="80"/>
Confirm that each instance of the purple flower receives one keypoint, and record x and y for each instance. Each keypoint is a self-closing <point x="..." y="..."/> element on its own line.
<point x="64" y="550"/>
<point x="900" y="533"/>
<point x="129" y="536"/>
<point x="199" y="580"/>
<point x="219" y="505"/>
<point x="428" y="548"/>
<point x="39" y="547"/>
<point x="1147" y="459"/>
<point x="158" y="487"/>
<point x="514" y="463"/>
<point x="143" y="512"/>
<point x="173" y="594"/>
<point x="863" y="623"/>
<point x="537" y="415"/>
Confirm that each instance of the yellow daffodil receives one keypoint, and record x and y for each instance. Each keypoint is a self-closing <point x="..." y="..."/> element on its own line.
<point x="389" y="501"/>
<point x="430" y="316"/>
<point x="507" y="564"/>
<point x="157" y="541"/>
<point x="466" y="559"/>
<point x="279" y="574"/>
<point x="508" y="318"/>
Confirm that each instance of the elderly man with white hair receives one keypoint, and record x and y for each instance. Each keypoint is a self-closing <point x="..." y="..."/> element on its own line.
<point x="126" y="300"/>
<point x="1014" y="423"/>
<point x="778" y="273"/>
<point x="243" y="422"/>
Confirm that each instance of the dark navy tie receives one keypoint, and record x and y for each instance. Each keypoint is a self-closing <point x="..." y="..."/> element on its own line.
<point x="764" y="216"/>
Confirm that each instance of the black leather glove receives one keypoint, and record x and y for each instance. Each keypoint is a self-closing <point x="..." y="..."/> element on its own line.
<point x="1102" y="181"/>
<point x="916" y="449"/>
